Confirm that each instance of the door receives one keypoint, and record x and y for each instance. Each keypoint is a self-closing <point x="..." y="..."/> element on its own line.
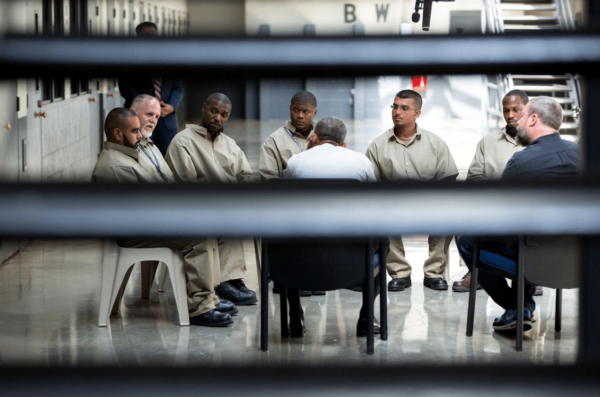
<point x="9" y="132"/>
<point x="275" y="97"/>
<point x="334" y="96"/>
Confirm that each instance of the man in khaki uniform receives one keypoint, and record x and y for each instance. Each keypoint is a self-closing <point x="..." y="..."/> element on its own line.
<point x="202" y="153"/>
<point x="119" y="163"/>
<point x="407" y="151"/>
<point x="492" y="154"/>
<point x="290" y="139"/>
<point x="151" y="159"/>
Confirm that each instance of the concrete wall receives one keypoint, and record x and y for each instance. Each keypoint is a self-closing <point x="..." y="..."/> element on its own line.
<point x="223" y="17"/>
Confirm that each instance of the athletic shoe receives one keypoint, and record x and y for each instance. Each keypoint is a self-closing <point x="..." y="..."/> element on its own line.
<point x="508" y="321"/>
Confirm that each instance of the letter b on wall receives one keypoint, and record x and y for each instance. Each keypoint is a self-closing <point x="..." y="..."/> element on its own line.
<point x="349" y="13"/>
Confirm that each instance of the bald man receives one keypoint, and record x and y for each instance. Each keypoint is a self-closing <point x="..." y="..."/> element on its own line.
<point x="148" y="111"/>
<point x="119" y="163"/>
<point x="290" y="139"/>
<point x="203" y="153"/>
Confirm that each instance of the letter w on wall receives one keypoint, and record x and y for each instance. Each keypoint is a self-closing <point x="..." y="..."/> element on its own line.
<point x="382" y="11"/>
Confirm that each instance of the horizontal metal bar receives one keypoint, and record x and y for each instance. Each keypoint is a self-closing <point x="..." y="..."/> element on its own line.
<point x="275" y="56"/>
<point x="276" y="379"/>
<point x="304" y="209"/>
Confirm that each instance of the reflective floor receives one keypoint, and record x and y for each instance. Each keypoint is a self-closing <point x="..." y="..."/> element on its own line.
<point x="50" y="294"/>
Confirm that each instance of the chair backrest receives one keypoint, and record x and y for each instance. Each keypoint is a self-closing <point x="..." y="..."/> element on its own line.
<point x="318" y="265"/>
<point x="553" y="261"/>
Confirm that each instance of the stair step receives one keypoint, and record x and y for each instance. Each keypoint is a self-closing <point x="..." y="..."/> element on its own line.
<point x="567" y="113"/>
<point x="569" y="126"/>
<point x="529" y="19"/>
<point x="531" y="27"/>
<point x="569" y="137"/>
<point x="562" y="101"/>
<point x="528" y="7"/>
<point x="540" y="77"/>
<point x="543" y="88"/>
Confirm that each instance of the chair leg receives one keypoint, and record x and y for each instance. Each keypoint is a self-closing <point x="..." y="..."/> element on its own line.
<point x="383" y="291"/>
<point x="148" y="271"/>
<point x="257" y="254"/>
<point x="520" y="293"/>
<point x="558" y="316"/>
<point x="371" y="301"/>
<point x="283" y="312"/>
<point x="162" y="278"/>
<point x="473" y="288"/>
<point x="264" y="300"/>
<point x="119" y="297"/>
<point x="109" y="272"/>
<point x="178" y="281"/>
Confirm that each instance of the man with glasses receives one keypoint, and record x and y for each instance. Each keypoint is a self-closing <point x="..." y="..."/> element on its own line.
<point x="409" y="152"/>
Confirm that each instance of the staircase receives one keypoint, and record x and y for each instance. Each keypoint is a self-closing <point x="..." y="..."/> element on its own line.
<point x="507" y="16"/>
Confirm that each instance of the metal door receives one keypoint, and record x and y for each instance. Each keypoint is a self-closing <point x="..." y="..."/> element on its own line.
<point x="334" y="96"/>
<point x="275" y="96"/>
<point x="9" y="132"/>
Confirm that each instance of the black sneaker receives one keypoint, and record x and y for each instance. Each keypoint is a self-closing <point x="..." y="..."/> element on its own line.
<point x="228" y="291"/>
<point x="399" y="284"/>
<point x="213" y="318"/>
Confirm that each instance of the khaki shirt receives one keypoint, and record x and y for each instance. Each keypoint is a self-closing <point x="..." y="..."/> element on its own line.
<point x="154" y="155"/>
<point x="492" y="154"/>
<point x="194" y="157"/>
<point x="119" y="164"/>
<point x="425" y="157"/>
<point x="278" y="149"/>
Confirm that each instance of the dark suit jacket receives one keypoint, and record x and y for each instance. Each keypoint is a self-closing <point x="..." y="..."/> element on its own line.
<point x="172" y="92"/>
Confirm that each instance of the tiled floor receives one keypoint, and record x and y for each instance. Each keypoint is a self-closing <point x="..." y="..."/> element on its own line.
<point x="50" y="292"/>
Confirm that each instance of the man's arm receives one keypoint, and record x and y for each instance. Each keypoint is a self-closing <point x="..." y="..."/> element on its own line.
<point x="244" y="172"/>
<point x="477" y="167"/>
<point x="176" y="95"/>
<point x="269" y="165"/>
<point x="446" y="167"/>
<point x="181" y="163"/>
<point x="511" y="171"/>
<point x="121" y="175"/>
<point x="372" y="156"/>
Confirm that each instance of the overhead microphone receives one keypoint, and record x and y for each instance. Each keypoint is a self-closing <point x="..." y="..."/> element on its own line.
<point x="416" y="17"/>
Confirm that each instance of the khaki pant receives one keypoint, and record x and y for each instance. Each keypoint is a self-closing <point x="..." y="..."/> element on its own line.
<point x="398" y="267"/>
<point x="233" y="262"/>
<point x="202" y="268"/>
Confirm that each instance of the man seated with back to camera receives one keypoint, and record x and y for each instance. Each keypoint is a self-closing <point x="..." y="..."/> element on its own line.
<point x="546" y="157"/>
<point x="326" y="157"/>
<point x="119" y="163"/>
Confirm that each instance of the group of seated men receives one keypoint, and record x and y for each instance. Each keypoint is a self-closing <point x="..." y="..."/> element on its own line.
<point x="528" y="147"/>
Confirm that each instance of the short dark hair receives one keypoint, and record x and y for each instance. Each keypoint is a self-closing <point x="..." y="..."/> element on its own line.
<point x="305" y="97"/>
<point x="331" y="129"/>
<point x="520" y="94"/>
<point x="116" y="119"/>
<point x="222" y="98"/>
<point x="141" y="26"/>
<point x="410" y="94"/>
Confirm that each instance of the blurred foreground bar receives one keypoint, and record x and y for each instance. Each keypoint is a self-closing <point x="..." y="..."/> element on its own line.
<point x="302" y="209"/>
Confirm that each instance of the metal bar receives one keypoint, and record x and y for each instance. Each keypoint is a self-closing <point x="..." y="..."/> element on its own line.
<point x="383" y="289"/>
<point x="558" y="313"/>
<point x="40" y="56"/>
<point x="473" y="287"/>
<point x="520" y="281"/>
<point x="371" y="299"/>
<point x="264" y="299"/>
<point x="263" y="210"/>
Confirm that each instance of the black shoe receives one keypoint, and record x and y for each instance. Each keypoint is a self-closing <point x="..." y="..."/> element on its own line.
<point x="437" y="284"/>
<point x="239" y="284"/>
<point x="297" y="328"/>
<point x="226" y="306"/>
<point x="318" y="292"/>
<point x="305" y="293"/>
<point x="213" y="318"/>
<point x="361" y="327"/>
<point x="399" y="284"/>
<point x="356" y="288"/>
<point x="227" y="291"/>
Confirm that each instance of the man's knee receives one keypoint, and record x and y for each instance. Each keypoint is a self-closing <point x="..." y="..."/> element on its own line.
<point x="465" y="248"/>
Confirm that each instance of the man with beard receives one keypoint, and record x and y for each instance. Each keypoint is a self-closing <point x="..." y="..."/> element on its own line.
<point x="492" y="153"/>
<point x="290" y="139"/>
<point x="148" y="112"/>
<point x="409" y="152"/>
<point x="118" y="163"/>
<point x="546" y="157"/>
<point x="203" y="153"/>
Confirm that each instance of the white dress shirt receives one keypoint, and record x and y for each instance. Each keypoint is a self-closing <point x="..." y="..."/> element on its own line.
<point x="331" y="162"/>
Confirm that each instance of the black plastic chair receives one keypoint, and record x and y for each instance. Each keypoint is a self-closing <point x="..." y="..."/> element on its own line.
<point x="324" y="265"/>
<point x="549" y="261"/>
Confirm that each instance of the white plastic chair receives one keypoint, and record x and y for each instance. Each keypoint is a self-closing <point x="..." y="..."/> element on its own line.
<point x="118" y="263"/>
